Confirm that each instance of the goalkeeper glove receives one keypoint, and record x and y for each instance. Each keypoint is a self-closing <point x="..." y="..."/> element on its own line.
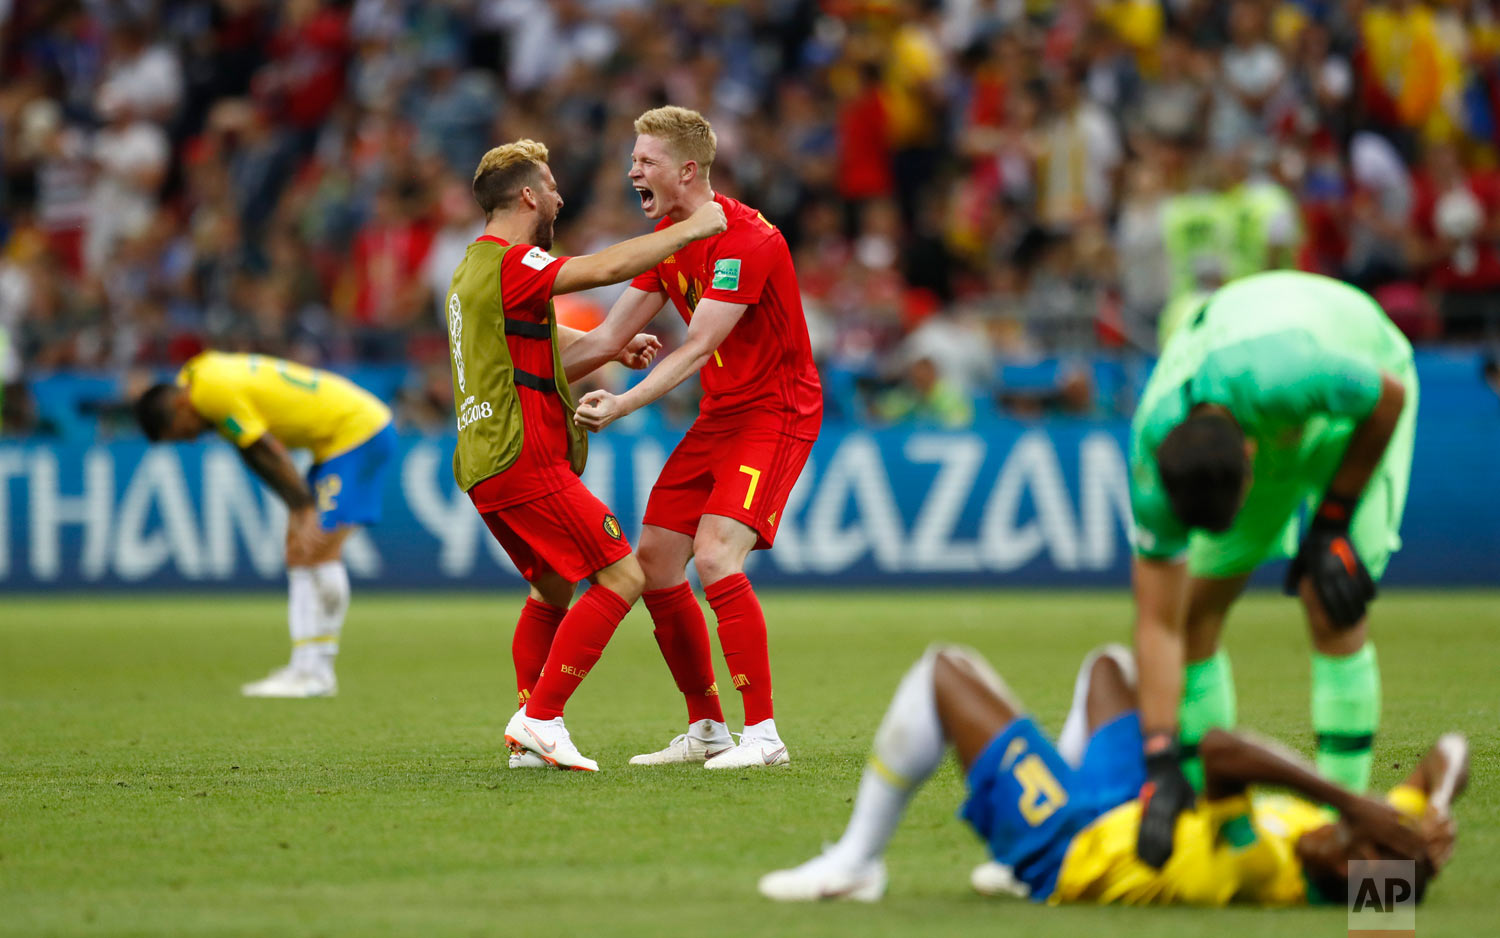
<point x="1328" y="557"/>
<point x="1166" y="794"/>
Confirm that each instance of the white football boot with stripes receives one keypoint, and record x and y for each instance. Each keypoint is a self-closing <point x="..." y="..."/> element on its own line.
<point x="760" y="746"/>
<point x="703" y="740"/>
<point x="549" y="740"/>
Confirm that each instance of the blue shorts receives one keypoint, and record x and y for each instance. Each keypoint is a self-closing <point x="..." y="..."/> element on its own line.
<point x="349" y="487"/>
<point x="1028" y="803"/>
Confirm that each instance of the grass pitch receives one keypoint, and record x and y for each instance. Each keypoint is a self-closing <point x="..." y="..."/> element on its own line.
<point x="140" y="795"/>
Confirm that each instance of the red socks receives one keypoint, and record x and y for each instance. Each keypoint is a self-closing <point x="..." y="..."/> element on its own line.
<point x="682" y="635"/>
<point x="576" y="648"/>
<point x="742" y="635"/>
<point x="534" y="631"/>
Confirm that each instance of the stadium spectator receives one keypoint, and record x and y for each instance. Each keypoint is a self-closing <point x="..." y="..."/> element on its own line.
<point x="1455" y="223"/>
<point x="925" y="397"/>
<point x="1078" y="154"/>
<point x="253" y="128"/>
<point x="133" y="156"/>
<point x="388" y="258"/>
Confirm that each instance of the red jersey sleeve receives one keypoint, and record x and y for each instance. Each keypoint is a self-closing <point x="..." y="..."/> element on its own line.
<point x="740" y="262"/>
<point x="527" y="273"/>
<point x="649" y="281"/>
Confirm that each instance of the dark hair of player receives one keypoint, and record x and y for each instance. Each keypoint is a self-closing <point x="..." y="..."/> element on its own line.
<point x="1203" y="468"/>
<point x="153" y="410"/>
<point x="497" y="188"/>
<point x="1332" y="885"/>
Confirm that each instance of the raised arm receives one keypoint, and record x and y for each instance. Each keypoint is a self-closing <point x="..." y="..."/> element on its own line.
<point x="1233" y="761"/>
<point x="711" y="322"/>
<point x="628" y="258"/>
<point x="582" y="352"/>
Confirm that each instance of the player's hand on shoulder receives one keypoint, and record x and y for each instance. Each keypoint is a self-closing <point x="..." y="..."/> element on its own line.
<point x="639" y="352"/>
<point x="597" y="410"/>
<point x="708" y="220"/>
<point x="1166" y="794"/>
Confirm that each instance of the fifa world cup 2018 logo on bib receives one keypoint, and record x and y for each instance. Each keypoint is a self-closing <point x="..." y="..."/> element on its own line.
<point x="455" y="334"/>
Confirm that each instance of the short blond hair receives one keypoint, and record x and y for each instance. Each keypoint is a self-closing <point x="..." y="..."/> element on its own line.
<point x="505" y="170"/>
<point x="686" y="133"/>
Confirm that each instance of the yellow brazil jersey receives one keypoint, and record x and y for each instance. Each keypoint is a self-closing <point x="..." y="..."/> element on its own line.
<point x="1240" y="849"/>
<point x="248" y="396"/>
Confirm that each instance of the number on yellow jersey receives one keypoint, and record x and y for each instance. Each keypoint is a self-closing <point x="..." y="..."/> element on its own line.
<point x="298" y="376"/>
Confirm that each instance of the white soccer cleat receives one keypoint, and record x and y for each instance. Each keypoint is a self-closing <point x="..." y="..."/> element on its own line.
<point x="759" y="747"/>
<point x="548" y="740"/>
<point x="526" y="759"/>
<point x="703" y="740"/>
<point x="826" y="877"/>
<point x="996" y="879"/>
<point x="293" y="682"/>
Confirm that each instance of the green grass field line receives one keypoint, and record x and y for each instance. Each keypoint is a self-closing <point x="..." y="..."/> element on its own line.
<point x="140" y="795"/>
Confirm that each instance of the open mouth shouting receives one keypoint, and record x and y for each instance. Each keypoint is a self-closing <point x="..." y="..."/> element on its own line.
<point x="648" y="199"/>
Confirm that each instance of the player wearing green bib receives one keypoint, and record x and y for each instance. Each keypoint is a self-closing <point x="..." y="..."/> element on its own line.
<point x="1286" y="390"/>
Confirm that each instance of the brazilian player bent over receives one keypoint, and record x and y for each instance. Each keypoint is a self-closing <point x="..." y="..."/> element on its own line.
<point x="1064" y="818"/>
<point x="264" y="406"/>
<point x="1286" y="391"/>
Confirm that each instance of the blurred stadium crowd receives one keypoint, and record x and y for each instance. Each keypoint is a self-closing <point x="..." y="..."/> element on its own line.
<point x="965" y="184"/>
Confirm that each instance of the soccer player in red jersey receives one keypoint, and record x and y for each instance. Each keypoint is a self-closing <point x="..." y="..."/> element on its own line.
<point x="721" y="493"/>
<point x="518" y="454"/>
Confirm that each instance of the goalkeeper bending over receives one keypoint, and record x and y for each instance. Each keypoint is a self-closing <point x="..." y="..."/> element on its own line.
<point x="1287" y="392"/>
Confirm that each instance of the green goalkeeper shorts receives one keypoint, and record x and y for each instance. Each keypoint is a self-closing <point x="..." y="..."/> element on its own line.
<point x="1269" y="525"/>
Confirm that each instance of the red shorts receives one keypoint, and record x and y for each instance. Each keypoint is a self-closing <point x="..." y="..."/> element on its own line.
<point x="569" y="532"/>
<point x="746" y="474"/>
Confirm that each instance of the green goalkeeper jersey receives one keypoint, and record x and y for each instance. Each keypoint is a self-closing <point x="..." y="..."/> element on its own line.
<point x="1296" y="358"/>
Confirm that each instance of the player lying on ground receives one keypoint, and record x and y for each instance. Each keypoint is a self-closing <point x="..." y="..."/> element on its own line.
<point x="724" y="487"/>
<point x="1286" y="392"/>
<point x="519" y="453"/>
<point x="1064" y="819"/>
<point x="266" y="406"/>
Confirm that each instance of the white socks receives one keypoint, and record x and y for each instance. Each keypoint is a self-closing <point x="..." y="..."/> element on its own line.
<point x="908" y="749"/>
<point x="317" y="599"/>
<point x="764" y="730"/>
<point x="1074" y="738"/>
<point x="332" y="582"/>
<point x="710" y="731"/>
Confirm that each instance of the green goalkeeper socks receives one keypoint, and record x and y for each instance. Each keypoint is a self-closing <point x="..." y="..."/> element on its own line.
<point x="1207" y="701"/>
<point x="1346" y="714"/>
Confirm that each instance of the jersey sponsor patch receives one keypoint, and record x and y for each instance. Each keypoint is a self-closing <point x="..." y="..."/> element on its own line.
<point x="537" y="259"/>
<point x="727" y="274"/>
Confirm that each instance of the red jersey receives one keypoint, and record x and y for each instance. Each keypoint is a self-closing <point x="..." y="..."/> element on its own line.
<point x="762" y="374"/>
<point x="526" y="276"/>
